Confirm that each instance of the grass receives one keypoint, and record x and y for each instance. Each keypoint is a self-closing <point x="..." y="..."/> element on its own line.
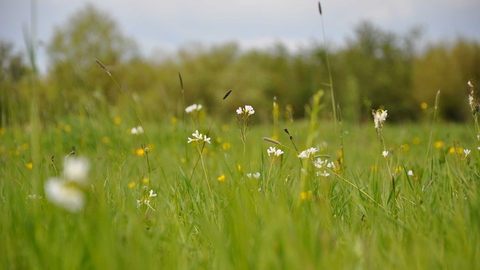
<point x="346" y="220"/>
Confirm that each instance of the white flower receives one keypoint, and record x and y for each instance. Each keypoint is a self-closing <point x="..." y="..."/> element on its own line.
<point x="193" y="107"/>
<point x="255" y="175"/>
<point x="470" y="84"/>
<point x="76" y="169"/>
<point x="324" y="173"/>
<point x="248" y="110"/>
<point x="198" y="137"/>
<point x="307" y="153"/>
<point x="385" y="153"/>
<point x="64" y="194"/>
<point x="273" y="151"/>
<point x="410" y="173"/>
<point x="466" y="151"/>
<point x="379" y="116"/>
<point x="319" y="163"/>
<point x="137" y="130"/>
<point x="152" y="194"/>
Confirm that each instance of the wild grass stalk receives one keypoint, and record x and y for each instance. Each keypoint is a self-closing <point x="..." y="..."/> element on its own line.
<point x="328" y="67"/>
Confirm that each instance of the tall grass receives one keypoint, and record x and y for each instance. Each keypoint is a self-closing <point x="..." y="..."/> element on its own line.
<point x="343" y="220"/>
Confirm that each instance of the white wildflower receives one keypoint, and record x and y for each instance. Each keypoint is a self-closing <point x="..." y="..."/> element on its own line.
<point x="324" y="173"/>
<point x="466" y="151"/>
<point x="64" y="194"/>
<point x="248" y="110"/>
<point x="385" y="153"/>
<point x="379" y="116"/>
<point x="193" y="107"/>
<point x="137" y="130"/>
<point x="197" y="136"/>
<point x="273" y="151"/>
<point x="410" y="173"/>
<point x="308" y="153"/>
<point x="152" y="194"/>
<point x="76" y="169"/>
<point x="255" y="175"/>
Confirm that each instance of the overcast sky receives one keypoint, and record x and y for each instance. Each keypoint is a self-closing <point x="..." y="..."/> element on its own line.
<point x="168" y="24"/>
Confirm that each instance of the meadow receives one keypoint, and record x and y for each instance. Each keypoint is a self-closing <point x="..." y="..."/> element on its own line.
<point x="303" y="194"/>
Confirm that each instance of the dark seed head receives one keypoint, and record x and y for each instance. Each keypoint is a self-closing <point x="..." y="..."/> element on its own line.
<point x="227" y="94"/>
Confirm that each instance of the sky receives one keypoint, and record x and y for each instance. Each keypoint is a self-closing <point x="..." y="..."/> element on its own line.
<point x="162" y="26"/>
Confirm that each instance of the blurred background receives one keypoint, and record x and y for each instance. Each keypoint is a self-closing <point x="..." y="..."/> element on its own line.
<point x="382" y="54"/>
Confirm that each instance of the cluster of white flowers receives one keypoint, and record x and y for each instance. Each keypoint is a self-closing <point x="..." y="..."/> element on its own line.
<point x="248" y="110"/>
<point x="273" y="151"/>
<point x="198" y="137"/>
<point x="137" y="130"/>
<point x="193" y="107"/>
<point x="322" y="164"/>
<point x="255" y="175"/>
<point x="379" y="116"/>
<point x="66" y="192"/>
<point x="310" y="152"/>
<point x="146" y="199"/>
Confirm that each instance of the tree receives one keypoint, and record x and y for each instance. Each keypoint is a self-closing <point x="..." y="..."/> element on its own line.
<point x="87" y="35"/>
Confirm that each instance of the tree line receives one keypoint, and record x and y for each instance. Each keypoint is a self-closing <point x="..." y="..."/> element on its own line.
<point x="375" y="69"/>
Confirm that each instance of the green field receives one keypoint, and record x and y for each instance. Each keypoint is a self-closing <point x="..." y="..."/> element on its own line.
<point x="171" y="207"/>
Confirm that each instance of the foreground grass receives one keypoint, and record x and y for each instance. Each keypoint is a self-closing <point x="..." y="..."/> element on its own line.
<point x="211" y="215"/>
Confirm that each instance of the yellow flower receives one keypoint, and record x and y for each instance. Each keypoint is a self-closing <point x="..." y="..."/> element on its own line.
<point x="117" y="121"/>
<point x="239" y="167"/>
<point x="2" y="131"/>
<point x="398" y="169"/>
<point x="225" y="128"/>
<point x="145" y="180"/>
<point x="29" y="165"/>
<point x="424" y="105"/>
<point x="132" y="185"/>
<point x="306" y="196"/>
<point x="105" y="139"/>
<point x="451" y="150"/>
<point x="221" y="178"/>
<point x="174" y="120"/>
<point x="438" y="144"/>
<point x="460" y="150"/>
<point x="226" y="146"/>
<point x="25" y="146"/>
<point x="140" y="152"/>
<point x="183" y="160"/>
<point x="374" y="168"/>
<point x="406" y="147"/>
<point x="416" y="140"/>
<point x="68" y="128"/>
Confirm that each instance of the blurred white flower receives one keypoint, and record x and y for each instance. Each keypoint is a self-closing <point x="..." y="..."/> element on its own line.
<point x="379" y="116"/>
<point x="255" y="175"/>
<point x="64" y="194"/>
<point x="410" y="173"/>
<point x="137" y="130"/>
<point x="193" y="107"/>
<point x="152" y="194"/>
<point x="76" y="169"/>
<point x="308" y="153"/>
<point x="324" y="173"/>
<point x="466" y="151"/>
<point x="385" y="153"/>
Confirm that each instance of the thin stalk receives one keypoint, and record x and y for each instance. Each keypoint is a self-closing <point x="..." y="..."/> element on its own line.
<point x="328" y="67"/>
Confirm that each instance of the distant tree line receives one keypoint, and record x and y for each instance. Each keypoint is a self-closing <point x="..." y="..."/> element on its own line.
<point x="375" y="69"/>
